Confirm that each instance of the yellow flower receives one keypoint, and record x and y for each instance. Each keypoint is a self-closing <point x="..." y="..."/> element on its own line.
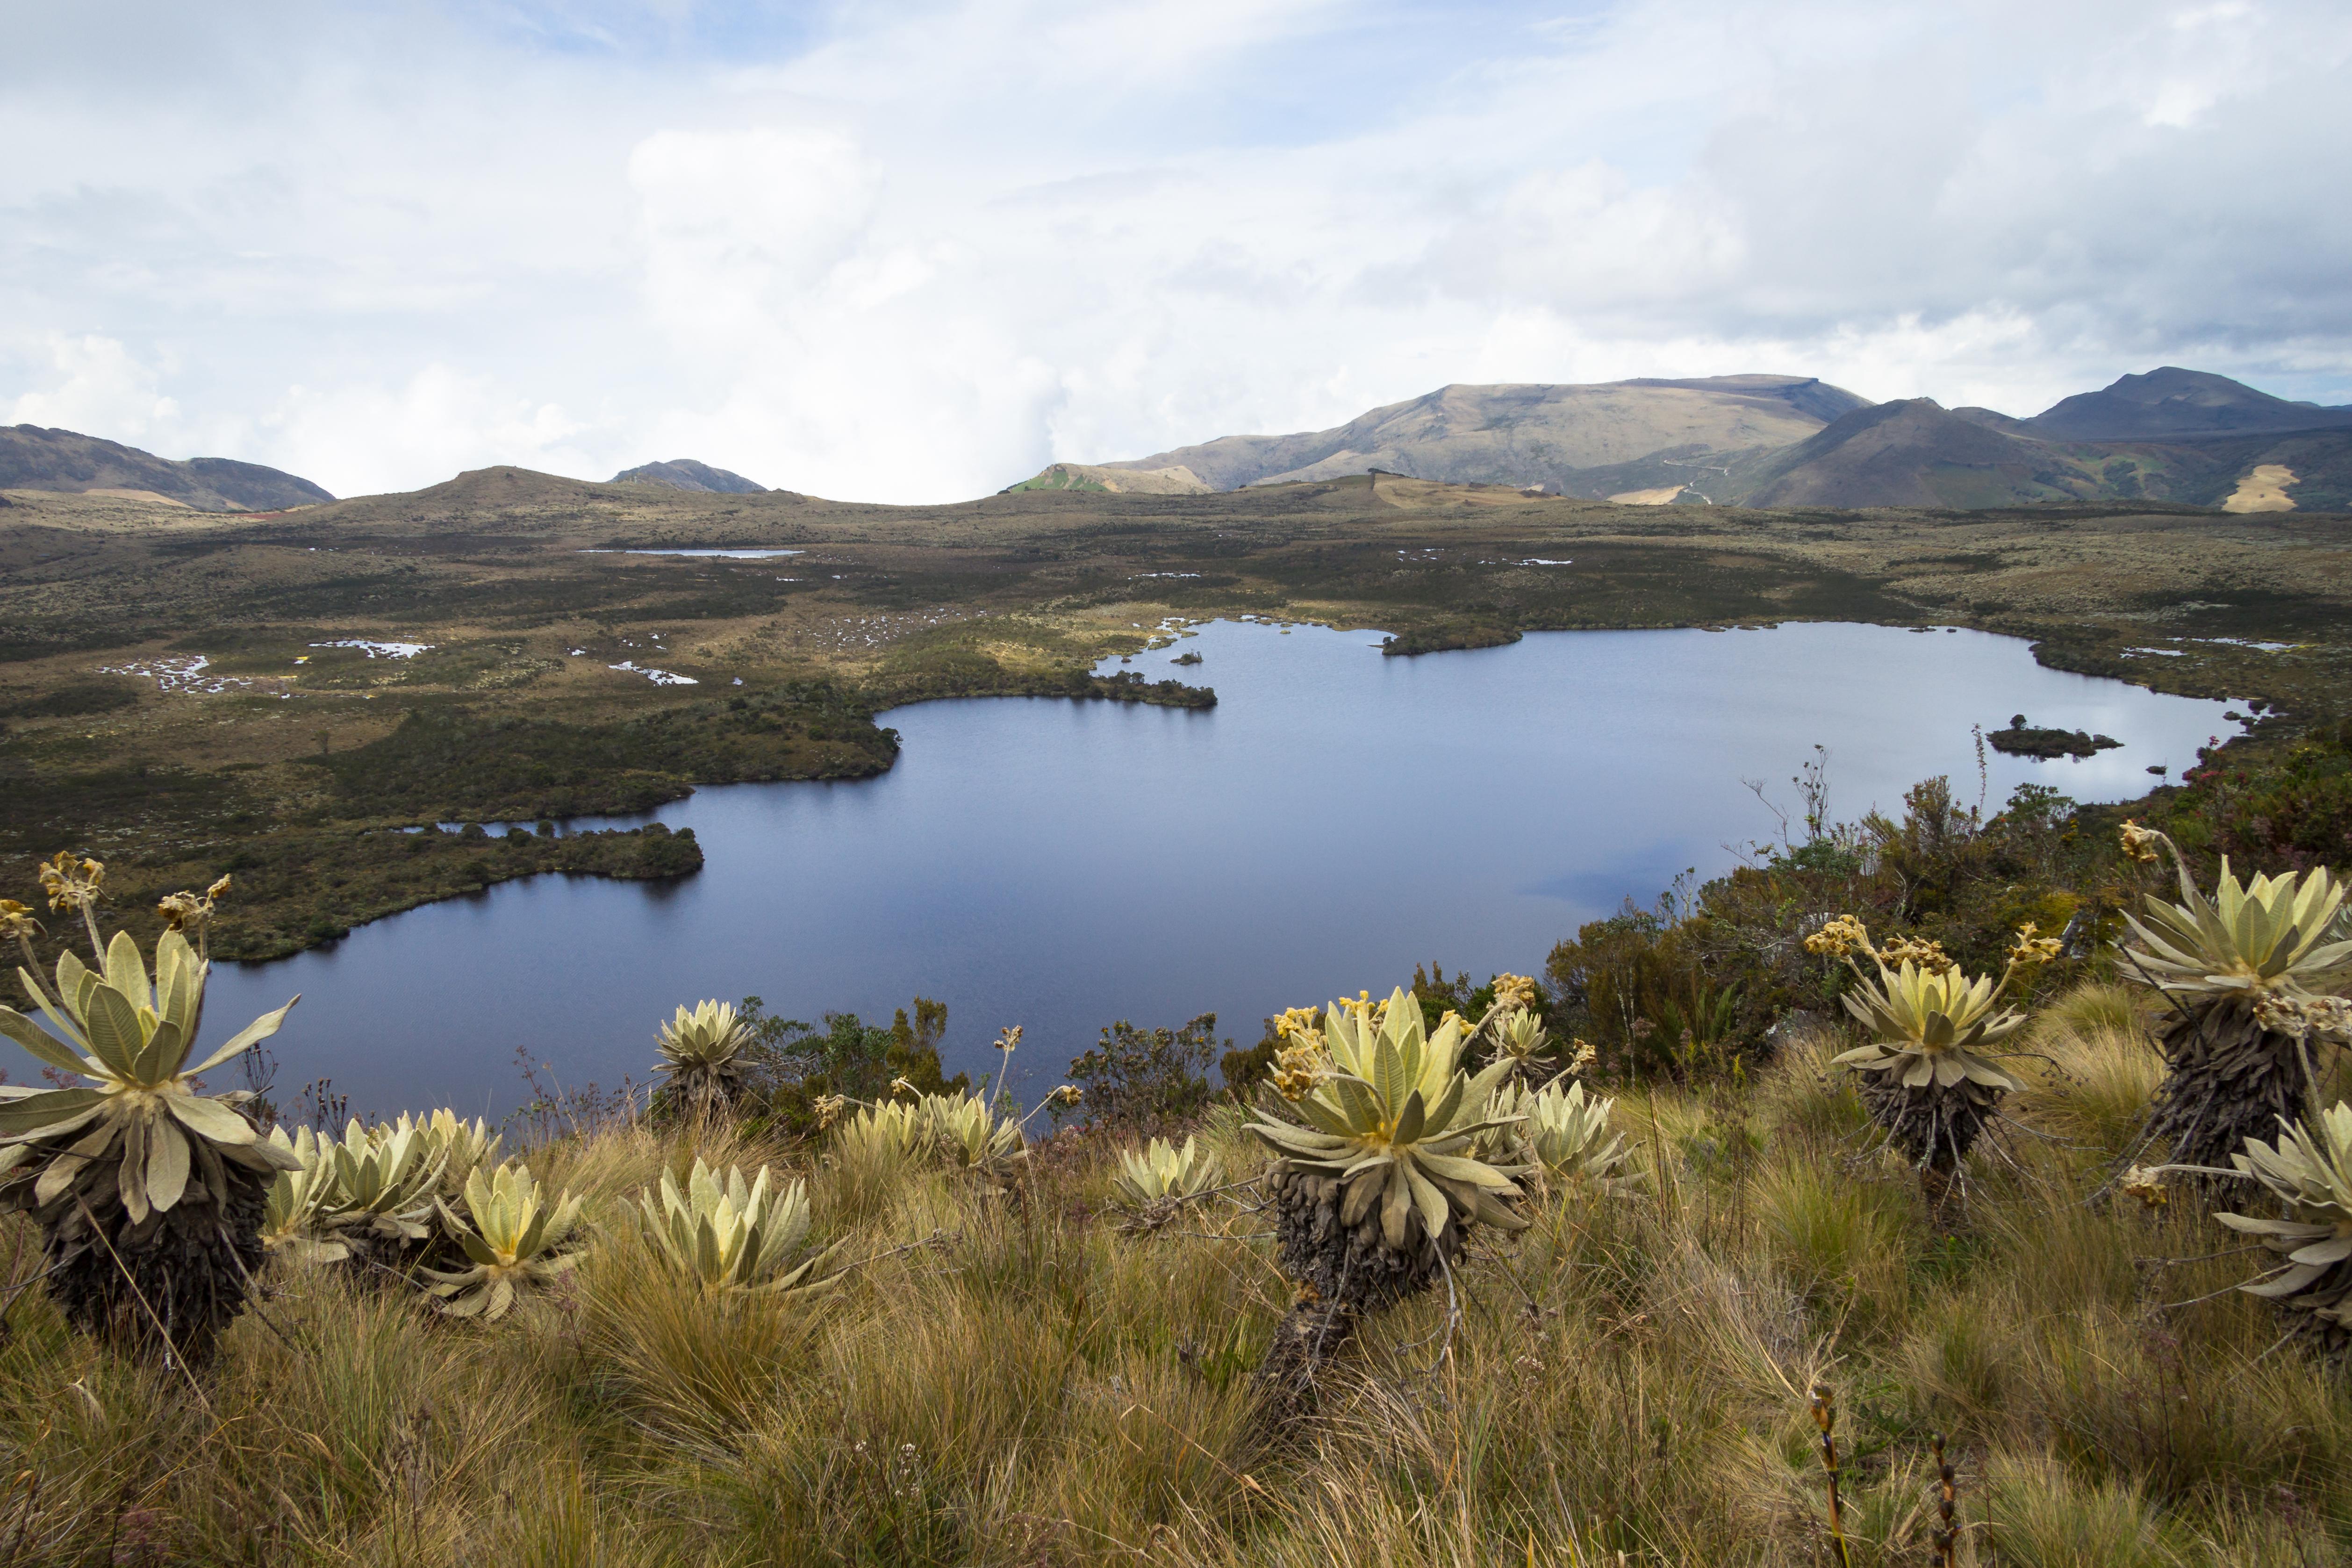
<point x="1068" y="1094"/>
<point x="828" y="1108"/>
<point x="1300" y="1066"/>
<point x="219" y="888"/>
<point x="1008" y="1038"/>
<point x="1581" y="1056"/>
<point x="1839" y="938"/>
<point x="69" y="887"/>
<point x="2145" y="1184"/>
<point x="1299" y="1021"/>
<point x="2139" y="842"/>
<point x="900" y="1086"/>
<point x="1514" y="990"/>
<point x="16" y="920"/>
<point x="2032" y="949"/>
<point x="1928" y="955"/>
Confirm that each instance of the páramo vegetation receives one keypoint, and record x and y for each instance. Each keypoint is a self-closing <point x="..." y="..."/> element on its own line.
<point x="1949" y="1187"/>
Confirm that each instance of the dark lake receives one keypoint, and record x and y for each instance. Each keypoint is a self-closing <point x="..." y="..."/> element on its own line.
<point x="1336" y="818"/>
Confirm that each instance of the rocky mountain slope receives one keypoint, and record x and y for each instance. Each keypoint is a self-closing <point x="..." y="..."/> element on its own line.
<point x="2173" y="436"/>
<point x="1527" y="434"/>
<point x="33" y="458"/>
<point x="686" y="473"/>
<point x="1916" y="454"/>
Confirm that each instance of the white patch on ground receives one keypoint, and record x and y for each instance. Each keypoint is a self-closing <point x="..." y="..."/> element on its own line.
<point x="184" y="674"/>
<point x="658" y="677"/>
<point x="380" y="649"/>
<point x="716" y="554"/>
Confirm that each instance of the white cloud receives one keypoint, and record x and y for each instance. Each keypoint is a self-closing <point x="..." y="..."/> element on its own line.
<point x="438" y="422"/>
<point x="912" y="253"/>
<point x="96" y="384"/>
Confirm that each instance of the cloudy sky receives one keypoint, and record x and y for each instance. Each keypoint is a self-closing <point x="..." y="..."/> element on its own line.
<point x="914" y="251"/>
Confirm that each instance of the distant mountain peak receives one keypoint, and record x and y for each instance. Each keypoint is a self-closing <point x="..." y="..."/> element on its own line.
<point x="686" y="473"/>
<point x="2172" y="404"/>
<point x="1114" y="480"/>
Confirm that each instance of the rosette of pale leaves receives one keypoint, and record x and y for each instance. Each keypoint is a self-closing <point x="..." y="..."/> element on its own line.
<point x="1394" y="1124"/>
<point x="293" y="1218"/>
<point x="1162" y="1173"/>
<point x="730" y="1235"/>
<point x="970" y="1135"/>
<point x="2312" y="1178"/>
<point x="460" y="1147"/>
<point x="2235" y="959"/>
<point x="1562" y="1129"/>
<point x="1928" y="1078"/>
<point x="516" y="1241"/>
<point x="889" y="1132"/>
<point x="702" y="1055"/>
<point x="2271" y="934"/>
<point x="386" y="1179"/>
<point x="1519" y="1039"/>
<point x="149" y="1193"/>
<point x="1931" y="1028"/>
<point x="141" y="1118"/>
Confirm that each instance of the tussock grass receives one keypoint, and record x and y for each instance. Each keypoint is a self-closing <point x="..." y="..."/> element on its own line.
<point x="1004" y="1377"/>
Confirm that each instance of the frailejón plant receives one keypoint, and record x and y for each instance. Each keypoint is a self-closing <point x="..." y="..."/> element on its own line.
<point x="1376" y="1178"/>
<point x="1928" y="1074"/>
<point x="459" y="1147"/>
<point x="889" y="1132"/>
<point x="381" y="1206"/>
<point x="149" y="1194"/>
<point x="1372" y="1178"/>
<point x="1563" y="1131"/>
<point x="293" y="1219"/>
<point x="2237" y="967"/>
<point x="968" y="1134"/>
<point x="1153" y="1180"/>
<point x="2311" y="1176"/>
<point x="728" y="1235"/>
<point x="514" y="1240"/>
<point x="702" y="1058"/>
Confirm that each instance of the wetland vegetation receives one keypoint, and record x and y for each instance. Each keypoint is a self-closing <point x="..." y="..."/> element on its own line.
<point x="547" y="681"/>
<point x="1595" y="1267"/>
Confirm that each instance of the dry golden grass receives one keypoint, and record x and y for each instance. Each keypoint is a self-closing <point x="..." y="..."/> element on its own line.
<point x="1006" y="1378"/>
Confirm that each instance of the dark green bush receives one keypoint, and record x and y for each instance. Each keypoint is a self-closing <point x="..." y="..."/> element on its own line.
<point x="1144" y="1080"/>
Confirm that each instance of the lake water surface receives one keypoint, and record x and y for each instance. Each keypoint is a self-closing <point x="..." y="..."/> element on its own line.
<point x="1336" y="818"/>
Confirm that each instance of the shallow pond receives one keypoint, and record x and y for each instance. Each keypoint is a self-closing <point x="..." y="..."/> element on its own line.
<point x="1338" y="817"/>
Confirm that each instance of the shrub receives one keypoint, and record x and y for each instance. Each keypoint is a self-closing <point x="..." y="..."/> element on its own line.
<point x="1146" y="1079"/>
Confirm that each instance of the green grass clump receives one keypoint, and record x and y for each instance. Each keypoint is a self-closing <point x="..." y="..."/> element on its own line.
<point x="1005" y="1375"/>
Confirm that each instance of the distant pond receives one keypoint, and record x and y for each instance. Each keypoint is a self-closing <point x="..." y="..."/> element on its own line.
<point x="1336" y="818"/>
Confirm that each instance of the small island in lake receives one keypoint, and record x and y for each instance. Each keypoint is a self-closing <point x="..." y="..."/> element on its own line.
<point x="2023" y="739"/>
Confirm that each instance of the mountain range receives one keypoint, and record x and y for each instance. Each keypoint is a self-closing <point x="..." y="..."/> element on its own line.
<point x="2169" y="436"/>
<point x="32" y="458"/>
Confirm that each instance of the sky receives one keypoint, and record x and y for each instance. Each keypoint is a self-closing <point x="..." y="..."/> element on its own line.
<point x="915" y="251"/>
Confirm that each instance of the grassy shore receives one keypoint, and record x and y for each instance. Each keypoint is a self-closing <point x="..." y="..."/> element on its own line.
<point x="1005" y="1376"/>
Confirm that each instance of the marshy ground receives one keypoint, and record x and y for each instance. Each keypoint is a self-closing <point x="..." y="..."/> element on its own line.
<point x="183" y="692"/>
